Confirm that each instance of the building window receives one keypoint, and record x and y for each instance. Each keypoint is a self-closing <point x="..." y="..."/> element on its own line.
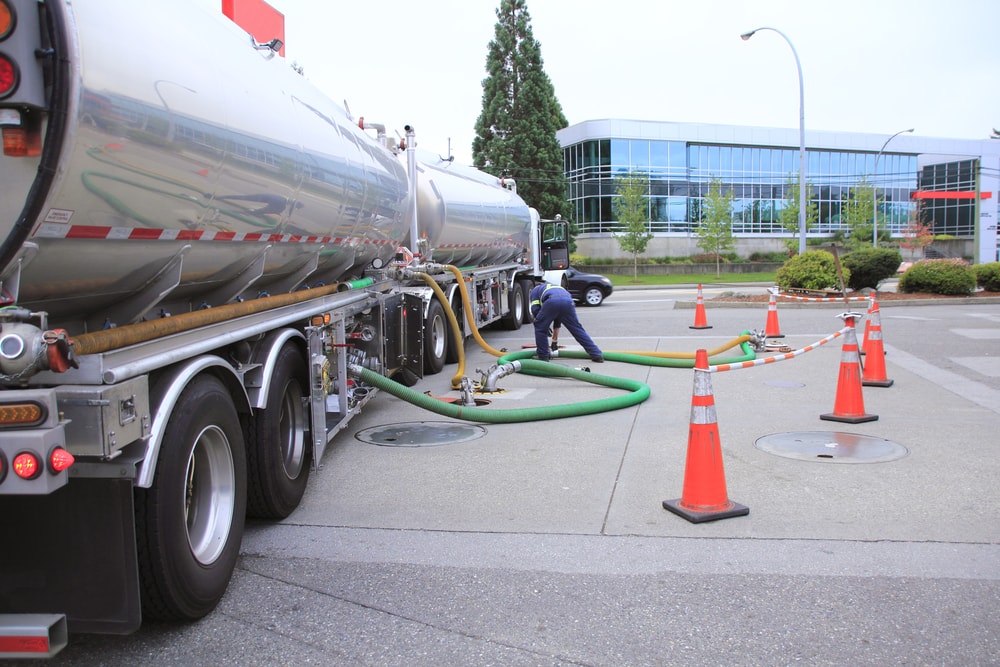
<point x="758" y="177"/>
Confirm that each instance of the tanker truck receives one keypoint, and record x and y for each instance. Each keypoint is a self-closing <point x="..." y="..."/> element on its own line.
<point x="196" y="249"/>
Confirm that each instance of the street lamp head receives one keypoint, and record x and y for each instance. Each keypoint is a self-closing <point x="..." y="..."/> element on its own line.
<point x="747" y="35"/>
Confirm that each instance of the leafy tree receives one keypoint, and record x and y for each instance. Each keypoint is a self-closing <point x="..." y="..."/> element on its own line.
<point x="631" y="209"/>
<point x="789" y="217"/>
<point x="516" y="130"/>
<point x="917" y="235"/>
<point x="715" y="231"/>
<point x="858" y="213"/>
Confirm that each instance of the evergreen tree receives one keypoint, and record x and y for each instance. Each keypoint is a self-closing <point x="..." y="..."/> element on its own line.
<point x="631" y="209"/>
<point x="516" y="130"/>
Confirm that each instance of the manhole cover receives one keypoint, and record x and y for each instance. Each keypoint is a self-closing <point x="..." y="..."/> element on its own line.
<point x="831" y="447"/>
<point x="420" y="434"/>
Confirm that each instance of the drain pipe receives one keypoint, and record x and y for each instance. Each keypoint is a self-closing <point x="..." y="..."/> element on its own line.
<point x="411" y="172"/>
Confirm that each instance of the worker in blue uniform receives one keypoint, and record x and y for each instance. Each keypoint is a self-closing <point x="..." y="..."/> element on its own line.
<point x="551" y="304"/>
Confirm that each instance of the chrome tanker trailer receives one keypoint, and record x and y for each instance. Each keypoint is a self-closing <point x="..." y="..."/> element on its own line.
<point x="195" y="245"/>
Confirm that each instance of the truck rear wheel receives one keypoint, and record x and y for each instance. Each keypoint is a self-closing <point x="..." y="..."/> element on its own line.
<point x="454" y="344"/>
<point x="435" y="338"/>
<point x="526" y="286"/>
<point x="278" y="450"/>
<point x="190" y="521"/>
<point x="515" y="313"/>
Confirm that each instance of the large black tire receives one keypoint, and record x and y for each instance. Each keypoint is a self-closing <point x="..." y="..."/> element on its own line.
<point x="515" y="308"/>
<point x="454" y="344"/>
<point x="278" y="447"/>
<point x="435" y="338"/>
<point x="526" y="287"/>
<point x="189" y="523"/>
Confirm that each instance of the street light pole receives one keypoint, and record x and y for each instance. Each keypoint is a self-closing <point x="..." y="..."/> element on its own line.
<point x="875" y="187"/>
<point x="802" y="136"/>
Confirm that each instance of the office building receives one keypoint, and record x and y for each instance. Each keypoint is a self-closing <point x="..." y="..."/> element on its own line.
<point x="953" y="182"/>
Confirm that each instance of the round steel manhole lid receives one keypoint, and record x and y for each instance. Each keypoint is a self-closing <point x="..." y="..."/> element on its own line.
<point x="420" y="434"/>
<point x="831" y="447"/>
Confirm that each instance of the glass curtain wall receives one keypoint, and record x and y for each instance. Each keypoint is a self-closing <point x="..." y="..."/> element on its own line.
<point x="679" y="174"/>
<point x="955" y="216"/>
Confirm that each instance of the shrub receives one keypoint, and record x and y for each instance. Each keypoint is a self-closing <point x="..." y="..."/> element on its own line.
<point x="988" y="276"/>
<point x="708" y="258"/>
<point x="813" y="269"/>
<point x="776" y="256"/>
<point x="870" y="266"/>
<point x="939" y="276"/>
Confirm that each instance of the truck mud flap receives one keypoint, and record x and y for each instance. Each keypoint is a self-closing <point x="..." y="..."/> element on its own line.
<point x="72" y="552"/>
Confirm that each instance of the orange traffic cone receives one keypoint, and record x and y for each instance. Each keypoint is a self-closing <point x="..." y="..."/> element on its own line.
<point x="849" y="405"/>
<point x="771" y="328"/>
<point x="700" y="321"/>
<point x="868" y="325"/>
<point x="704" y="497"/>
<point x="874" y="371"/>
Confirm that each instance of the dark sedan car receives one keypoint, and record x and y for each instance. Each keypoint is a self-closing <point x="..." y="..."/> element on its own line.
<point x="589" y="289"/>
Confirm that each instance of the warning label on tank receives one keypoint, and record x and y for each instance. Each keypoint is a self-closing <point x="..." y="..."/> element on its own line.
<point x="59" y="215"/>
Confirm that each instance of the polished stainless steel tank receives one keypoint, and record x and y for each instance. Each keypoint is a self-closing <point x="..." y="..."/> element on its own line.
<point x="196" y="169"/>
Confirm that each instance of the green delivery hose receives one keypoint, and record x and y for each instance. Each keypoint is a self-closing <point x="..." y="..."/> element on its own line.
<point x="639" y="392"/>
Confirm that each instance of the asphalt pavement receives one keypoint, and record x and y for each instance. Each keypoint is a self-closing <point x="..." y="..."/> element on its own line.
<point x="430" y="540"/>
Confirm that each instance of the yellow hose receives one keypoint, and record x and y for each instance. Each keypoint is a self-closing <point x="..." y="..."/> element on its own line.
<point x="469" y="315"/>
<point x="456" y="380"/>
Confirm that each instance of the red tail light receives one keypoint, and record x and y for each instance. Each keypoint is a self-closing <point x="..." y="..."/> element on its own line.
<point x="10" y="77"/>
<point x="26" y="465"/>
<point x="59" y="460"/>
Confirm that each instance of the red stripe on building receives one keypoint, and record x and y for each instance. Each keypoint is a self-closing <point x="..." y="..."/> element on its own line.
<point x="950" y="194"/>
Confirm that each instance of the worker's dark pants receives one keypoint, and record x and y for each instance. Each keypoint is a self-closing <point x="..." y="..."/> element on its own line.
<point x="563" y="310"/>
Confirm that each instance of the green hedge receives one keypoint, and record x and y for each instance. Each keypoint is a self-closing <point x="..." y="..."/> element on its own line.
<point x="813" y="269"/>
<point x="988" y="276"/>
<point x="939" y="276"/>
<point x="870" y="266"/>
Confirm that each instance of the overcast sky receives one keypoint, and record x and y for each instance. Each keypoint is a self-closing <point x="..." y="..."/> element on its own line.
<point x="873" y="66"/>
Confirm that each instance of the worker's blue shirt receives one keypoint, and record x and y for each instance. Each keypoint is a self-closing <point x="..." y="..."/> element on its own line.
<point x="544" y="292"/>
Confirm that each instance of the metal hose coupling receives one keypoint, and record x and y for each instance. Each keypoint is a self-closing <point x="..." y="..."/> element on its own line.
<point x="758" y="340"/>
<point x="414" y="270"/>
<point x="497" y="372"/>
